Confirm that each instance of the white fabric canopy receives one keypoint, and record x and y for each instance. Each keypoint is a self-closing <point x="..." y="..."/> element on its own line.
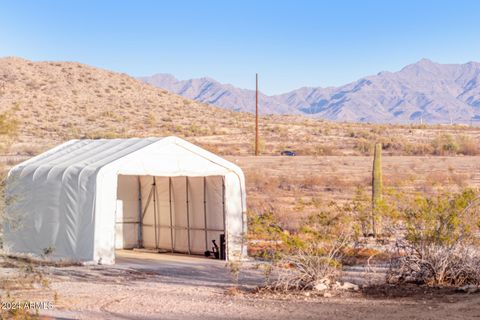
<point x="68" y="199"/>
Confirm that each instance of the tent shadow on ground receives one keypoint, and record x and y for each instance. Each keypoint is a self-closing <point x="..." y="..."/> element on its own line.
<point x="184" y="271"/>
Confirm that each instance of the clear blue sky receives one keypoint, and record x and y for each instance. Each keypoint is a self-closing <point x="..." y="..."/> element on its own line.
<point x="290" y="43"/>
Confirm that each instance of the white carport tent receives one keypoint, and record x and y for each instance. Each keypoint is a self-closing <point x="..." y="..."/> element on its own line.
<point x="85" y="197"/>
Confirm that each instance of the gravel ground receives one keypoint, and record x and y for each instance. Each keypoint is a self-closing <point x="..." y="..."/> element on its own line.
<point x="163" y="286"/>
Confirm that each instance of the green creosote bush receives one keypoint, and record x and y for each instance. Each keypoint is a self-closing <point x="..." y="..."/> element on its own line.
<point x="8" y="130"/>
<point x="363" y="145"/>
<point x="446" y="144"/>
<point x="361" y="208"/>
<point x="440" y="246"/>
<point x="443" y="219"/>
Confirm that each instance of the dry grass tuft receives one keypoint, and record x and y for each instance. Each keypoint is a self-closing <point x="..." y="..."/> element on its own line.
<point x="434" y="265"/>
<point x="308" y="267"/>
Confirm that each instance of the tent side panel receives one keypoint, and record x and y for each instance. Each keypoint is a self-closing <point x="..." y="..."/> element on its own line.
<point x="126" y="227"/>
<point x="214" y="209"/>
<point x="180" y="221"/>
<point x="148" y="231"/>
<point x="235" y="218"/>
<point x="33" y="218"/>
<point x="163" y="211"/>
<point x="196" y="215"/>
<point x="105" y="206"/>
<point x="45" y="203"/>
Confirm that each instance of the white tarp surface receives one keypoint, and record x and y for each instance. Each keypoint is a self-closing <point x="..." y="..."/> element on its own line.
<point x="67" y="200"/>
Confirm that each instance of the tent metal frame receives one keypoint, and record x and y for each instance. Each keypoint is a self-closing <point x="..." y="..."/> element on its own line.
<point x="152" y="197"/>
<point x="205" y="211"/>
<point x="140" y="234"/>
<point x="172" y="243"/>
<point x="188" y="216"/>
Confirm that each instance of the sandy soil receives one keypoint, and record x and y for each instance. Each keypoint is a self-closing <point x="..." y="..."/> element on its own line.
<point x="152" y="286"/>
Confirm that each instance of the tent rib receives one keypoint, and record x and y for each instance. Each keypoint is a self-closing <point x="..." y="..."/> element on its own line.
<point x="219" y="164"/>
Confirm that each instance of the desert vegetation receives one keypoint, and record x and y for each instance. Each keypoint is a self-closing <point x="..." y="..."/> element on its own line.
<point x="427" y="237"/>
<point x="427" y="240"/>
<point x="8" y="130"/>
<point x="441" y="243"/>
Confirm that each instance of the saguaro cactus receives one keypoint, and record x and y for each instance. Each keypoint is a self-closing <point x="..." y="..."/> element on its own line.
<point x="377" y="187"/>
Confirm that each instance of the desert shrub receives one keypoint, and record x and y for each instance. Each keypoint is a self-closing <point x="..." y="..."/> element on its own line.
<point x="311" y="182"/>
<point x="457" y="264"/>
<point x="8" y="124"/>
<point x="315" y="150"/>
<point x="268" y="222"/>
<point x="398" y="145"/>
<point x="417" y="149"/>
<point x="441" y="240"/>
<point x="445" y="144"/>
<point x="324" y="150"/>
<point x="442" y="219"/>
<point x="313" y="256"/>
<point x="361" y="208"/>
<point x="8" y="129"/>
<point x="308" y="267"/>
<point x="323" y="228"/>
<point x="151" y="119"/>
<point x="192" y="130"/>
<point x="468" y="146"/>
<point x="363" y="145"/>
<point x="328" y="224"/>
<point x="263" y="225"/>
<point x="104" y="135"/>
<point x="386" y="213"/>
<point x="392" y="144"/>
<point x="362" y="134"/>
<point x="271" y="241"/>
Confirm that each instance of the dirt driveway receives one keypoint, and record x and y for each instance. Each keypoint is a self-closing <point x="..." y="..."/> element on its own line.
<point x="163" y="286"/>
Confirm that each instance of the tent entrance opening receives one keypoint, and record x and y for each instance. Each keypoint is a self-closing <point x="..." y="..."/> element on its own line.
<point x="171" y="214"/>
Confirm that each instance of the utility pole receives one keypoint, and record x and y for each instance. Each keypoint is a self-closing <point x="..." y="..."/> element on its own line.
<point x="257" y="151"/>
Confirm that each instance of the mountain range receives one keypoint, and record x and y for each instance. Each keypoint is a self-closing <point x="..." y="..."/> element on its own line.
<point x="425" y="91"/>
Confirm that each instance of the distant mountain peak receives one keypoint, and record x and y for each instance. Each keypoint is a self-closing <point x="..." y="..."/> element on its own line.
<point x="425" y="62"/>
<point x="422" y="65"/>
<point x="440" y="93"/>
